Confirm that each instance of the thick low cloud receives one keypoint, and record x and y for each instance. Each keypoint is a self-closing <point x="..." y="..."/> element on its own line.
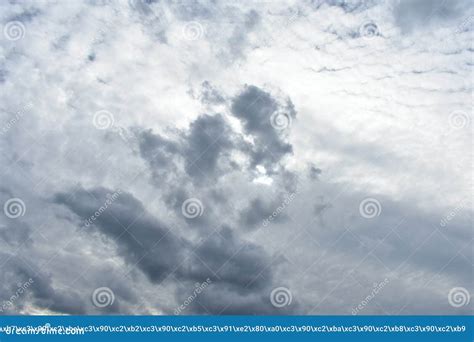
<point x="255" y="107"/>
<point x="208" y="142"/>
<point x="25" y="284"/>
<point x="236" y="266"/>
<point x="142" y="239"/>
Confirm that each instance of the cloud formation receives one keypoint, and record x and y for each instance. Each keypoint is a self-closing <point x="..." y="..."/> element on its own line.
<point x="315" y="148"/>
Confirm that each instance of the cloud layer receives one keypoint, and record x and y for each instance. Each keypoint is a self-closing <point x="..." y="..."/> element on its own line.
<point x="223" y="158"/>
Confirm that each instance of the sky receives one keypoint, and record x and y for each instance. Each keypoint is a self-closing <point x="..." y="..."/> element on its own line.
<point x="236" y="157"/>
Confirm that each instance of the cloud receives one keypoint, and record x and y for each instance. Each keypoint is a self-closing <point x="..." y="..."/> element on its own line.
<point x="145" y="243"/>
<point x="419" y="13"/>
<point x="255" y="107"/>
<point x="209" y="140"/>
<point x="303" y="111"/>
<point x="148" y="244"/>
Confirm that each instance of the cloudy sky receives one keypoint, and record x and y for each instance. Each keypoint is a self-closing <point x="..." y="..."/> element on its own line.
<point x="223" y="157"/>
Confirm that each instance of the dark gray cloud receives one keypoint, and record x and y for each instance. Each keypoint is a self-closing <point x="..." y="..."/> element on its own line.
<point x="232" y="261"/>
<point x="142" y="240"/>
<point x="207" y="146"/>
<point x="204" y="150"/>
<point x="255" y="107"/>
<point x="159" y="152"/>
<point x="36" y="287"/>
<point x="16" y="233"/>
<point x="258" y="211"/>
<point x="209" y="141"/>
<point x="314" y="172"/>
<point x="216" y="300"/>
<point x="145" y="243"/>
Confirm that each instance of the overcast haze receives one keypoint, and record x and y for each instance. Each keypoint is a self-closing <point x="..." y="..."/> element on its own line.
<point x="236" y="157"/>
